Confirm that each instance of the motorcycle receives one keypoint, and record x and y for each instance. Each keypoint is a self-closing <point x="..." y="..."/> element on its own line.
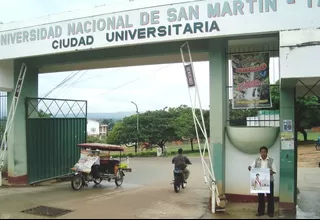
<point x="179" y="181"/>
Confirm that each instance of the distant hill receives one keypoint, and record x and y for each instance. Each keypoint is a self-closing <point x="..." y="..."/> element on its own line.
<point x="111" y="115"/>
<point x="96" y="116"/>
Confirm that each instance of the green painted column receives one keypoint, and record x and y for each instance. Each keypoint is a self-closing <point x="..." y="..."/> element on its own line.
<point x="17" y="147"/>
<point x="288" y="157"/>
<point x="218" y="107"/>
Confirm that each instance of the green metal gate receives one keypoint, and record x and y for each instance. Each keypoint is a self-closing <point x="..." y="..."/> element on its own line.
<point x="3" y="112"/>
<point x="54" y="128"/>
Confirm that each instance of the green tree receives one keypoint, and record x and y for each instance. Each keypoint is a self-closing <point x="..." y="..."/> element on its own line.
<point x="93" y="139"/>
<point x="3" y="122"/>
<point x="275" y="97"/>
<point x="239" y="116"/>
<point x="42" y="114"/>
<point x="184" y="123"/>
<point x="307" y="111"/>
<point x="117" y="135"/>
<point x="156" y="127"/>
<point x="2" y="128"/>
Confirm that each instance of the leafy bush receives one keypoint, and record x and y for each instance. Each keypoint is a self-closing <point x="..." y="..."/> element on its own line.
<point x="141" y="154"/>
<point x="147" y="154"/>
<point x="130" y="155"/>
<point x="171" y="153"/>
<point x="93" y="139"/>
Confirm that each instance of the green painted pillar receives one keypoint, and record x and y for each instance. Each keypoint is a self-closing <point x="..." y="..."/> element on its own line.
<point x="17" y="147"/>
<point x="288" y="156"/>
<point x="218" y="107"/>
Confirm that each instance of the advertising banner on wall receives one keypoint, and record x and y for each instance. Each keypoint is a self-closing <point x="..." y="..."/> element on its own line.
<point x="251" y="85"/>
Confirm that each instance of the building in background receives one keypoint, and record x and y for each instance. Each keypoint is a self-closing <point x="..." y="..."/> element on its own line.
<point x="103" y="130"/>
<point x="94" y="128"/>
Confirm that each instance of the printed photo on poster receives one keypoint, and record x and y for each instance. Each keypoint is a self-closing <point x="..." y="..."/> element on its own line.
<point x="251" y="84"/>
<point x="260" y="180"/>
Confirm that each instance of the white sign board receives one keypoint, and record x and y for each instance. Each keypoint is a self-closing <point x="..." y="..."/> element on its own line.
<point x="181" y="21"/>
<point x="260" y="180"/>
<point x="287" y="144"/>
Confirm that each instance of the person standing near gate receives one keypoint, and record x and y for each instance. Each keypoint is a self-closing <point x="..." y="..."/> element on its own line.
<point x="265" y="162"/>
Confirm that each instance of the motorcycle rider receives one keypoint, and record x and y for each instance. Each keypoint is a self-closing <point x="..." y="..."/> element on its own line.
<point x="180" y="162"/>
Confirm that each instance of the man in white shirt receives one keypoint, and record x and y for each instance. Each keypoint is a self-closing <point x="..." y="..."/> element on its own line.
<point x="265" y="162"/>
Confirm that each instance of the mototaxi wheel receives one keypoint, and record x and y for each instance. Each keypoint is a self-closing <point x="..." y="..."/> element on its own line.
<point x="77" y="182"/>
<point x="97" y="181"/>
<point x="119" y="178"/>
<point x="317" y="147"/>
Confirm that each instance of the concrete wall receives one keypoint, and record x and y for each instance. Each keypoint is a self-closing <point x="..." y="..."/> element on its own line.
<point x="17" y="139"/>
<point x="299" y="52"/>
<point x="6" y="75"/>
<point x="236" y="169"/>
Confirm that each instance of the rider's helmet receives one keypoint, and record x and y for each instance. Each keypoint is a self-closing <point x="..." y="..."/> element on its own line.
<point x="180" y="151"/>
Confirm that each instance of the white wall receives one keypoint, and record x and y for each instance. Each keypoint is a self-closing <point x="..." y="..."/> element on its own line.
<point x="299" y="52"/>
<point x="92" y="127"/>
<point x="6" y="75"/>
<point x="237" y="174"/>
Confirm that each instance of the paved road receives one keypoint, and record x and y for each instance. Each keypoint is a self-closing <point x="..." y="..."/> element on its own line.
<point x="146" y="193"/>
<point x="309" y="196"/>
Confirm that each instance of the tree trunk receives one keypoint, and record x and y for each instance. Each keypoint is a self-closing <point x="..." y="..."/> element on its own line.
<point x="305" y="135"/>
<point x="161" y="144"/>
<point x="303" y="132"/>
<point x="191" y="143"/>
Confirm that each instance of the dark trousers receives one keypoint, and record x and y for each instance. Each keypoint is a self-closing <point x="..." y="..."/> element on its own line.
<point x="270" y="208"/>
<point x="95" y="171"/>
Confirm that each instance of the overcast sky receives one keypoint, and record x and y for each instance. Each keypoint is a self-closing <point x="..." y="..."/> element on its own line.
<point x="111" y="90"/>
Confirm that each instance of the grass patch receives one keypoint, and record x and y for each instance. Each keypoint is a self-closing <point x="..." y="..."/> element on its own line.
<point x="312" y="136"/>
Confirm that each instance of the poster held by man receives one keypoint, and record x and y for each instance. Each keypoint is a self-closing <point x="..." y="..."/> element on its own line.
<point x="260" y="180"/>
<point x="251" y="84"/>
